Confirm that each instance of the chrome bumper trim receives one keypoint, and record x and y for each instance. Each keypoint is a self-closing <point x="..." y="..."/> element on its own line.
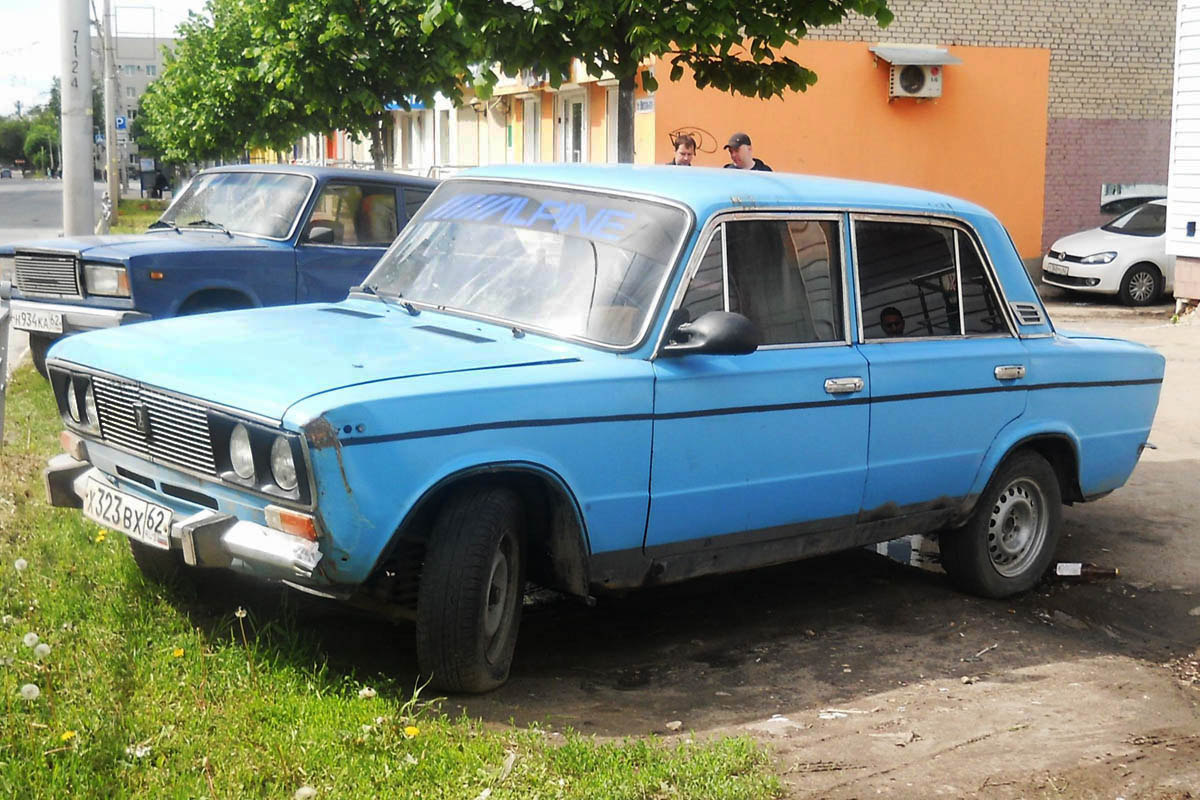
<point x="83" y="318"/>
<point x="207" y="538"/>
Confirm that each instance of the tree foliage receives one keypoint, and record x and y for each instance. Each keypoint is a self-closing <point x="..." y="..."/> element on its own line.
<point x="731" y="45"/>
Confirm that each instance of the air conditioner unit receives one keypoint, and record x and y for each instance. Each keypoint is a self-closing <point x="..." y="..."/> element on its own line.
<point x="916" y="80"/>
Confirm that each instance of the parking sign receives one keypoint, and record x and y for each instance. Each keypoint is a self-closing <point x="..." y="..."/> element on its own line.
<point x="121" y="123"/>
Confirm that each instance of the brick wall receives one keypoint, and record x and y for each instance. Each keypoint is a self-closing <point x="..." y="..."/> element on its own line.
<point x="1111" y="68"/>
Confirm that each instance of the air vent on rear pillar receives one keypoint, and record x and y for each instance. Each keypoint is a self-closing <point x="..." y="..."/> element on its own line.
<point x="1028" y="313"/>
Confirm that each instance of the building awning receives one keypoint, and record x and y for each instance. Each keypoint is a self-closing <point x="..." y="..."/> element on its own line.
<point x="914" y="54"/>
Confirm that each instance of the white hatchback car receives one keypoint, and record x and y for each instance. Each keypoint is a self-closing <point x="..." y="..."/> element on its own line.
<point x="1127" y="257"/>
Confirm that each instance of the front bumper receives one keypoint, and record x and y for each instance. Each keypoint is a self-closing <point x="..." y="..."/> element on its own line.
<point x="1098" y="278"/>
<point x="207" y="538"/>
<point x="78" y="318"/>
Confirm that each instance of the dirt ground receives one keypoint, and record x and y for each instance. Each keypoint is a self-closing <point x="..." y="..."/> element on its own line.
<point x="868" y="678"/>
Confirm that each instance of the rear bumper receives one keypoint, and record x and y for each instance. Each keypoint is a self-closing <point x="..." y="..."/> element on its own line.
<point x="206" y="538"/>
<point x="79" y="318"/>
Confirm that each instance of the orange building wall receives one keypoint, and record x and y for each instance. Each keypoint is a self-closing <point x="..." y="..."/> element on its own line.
<point x="984" y="140"/>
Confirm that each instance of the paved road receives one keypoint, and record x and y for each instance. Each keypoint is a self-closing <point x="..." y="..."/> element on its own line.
<point x="31" y="210"/>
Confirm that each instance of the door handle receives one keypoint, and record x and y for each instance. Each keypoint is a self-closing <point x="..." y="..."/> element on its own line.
<point x="1009" y="372"/>
<point x="843" y="385"/>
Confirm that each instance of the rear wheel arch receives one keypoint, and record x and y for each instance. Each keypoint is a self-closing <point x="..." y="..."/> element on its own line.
<point x="1060" y="452"/>
<point x="556" y="537"/>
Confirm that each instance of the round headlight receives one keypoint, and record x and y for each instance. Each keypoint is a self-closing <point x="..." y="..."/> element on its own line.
<point x="72" y="401"/>
<point x="89" y="405"/>
<point x="240" y="454"/>
<point x="283" y="467"/>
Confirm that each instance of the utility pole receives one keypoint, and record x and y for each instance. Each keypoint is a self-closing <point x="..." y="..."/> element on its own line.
<point x="75" y="40"/>
<point x="112" y="161"/>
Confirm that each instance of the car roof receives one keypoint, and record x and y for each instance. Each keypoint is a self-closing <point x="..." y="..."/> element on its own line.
<point x="704" y="189"/>
<point x="330" y="172"/>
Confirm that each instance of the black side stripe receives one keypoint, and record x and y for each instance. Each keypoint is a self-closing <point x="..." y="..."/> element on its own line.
<point x="720" y="412"/>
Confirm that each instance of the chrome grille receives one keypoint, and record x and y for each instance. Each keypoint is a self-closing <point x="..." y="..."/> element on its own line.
<point x="47" y="273"/>
<point x="170" y="430"/>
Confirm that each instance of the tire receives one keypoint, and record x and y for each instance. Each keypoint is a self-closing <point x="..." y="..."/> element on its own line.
<point x="1006" y="546"/>
<point x="38" y="345"/>
<point x="1141" y="285"/>
<point x="471" y="590"/>
<point x="157" y="565"/>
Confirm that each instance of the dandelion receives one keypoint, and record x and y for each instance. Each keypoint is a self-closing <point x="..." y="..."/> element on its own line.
<point x="30" y="639"/>
<point x="30" y="692"/>
<point x="101" y="536"/>
<point x="241" y="614"/>
<point x="20" y="564"/>
<point x="177" y="652"/>
<point x="138" y="750"/>
<point x="366" y="693"/>
<point x="7" y="619"/>
<point x="67" y="736"/>
<point x="411" y="731"/>
<point x="41" y="651"/>
<point x="305" y="793"/>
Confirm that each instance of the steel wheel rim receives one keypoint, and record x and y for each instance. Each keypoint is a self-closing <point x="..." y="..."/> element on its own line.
<point x="1017" y="527"/>
<point x="1141" y="286"/>
<point x="498" y="598"/>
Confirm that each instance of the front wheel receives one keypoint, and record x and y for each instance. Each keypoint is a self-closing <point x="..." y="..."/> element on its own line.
<point x="1006" y="546"/>
<point x="471" y="589"/>
<point x="38" y="346"/>
<point x="1141" y="285"/>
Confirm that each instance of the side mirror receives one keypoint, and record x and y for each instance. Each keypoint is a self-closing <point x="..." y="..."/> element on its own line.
<point x="717" y="333"/>
<point x="320" y="234"/>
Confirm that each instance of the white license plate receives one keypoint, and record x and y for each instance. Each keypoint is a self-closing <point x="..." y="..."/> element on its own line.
<point x="146" y="522"/>
<point x="41" y="321"/>
<point x="1055" y="269"/>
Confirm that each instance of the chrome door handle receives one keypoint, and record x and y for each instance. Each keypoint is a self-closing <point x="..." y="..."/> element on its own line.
<point x="1009" y="372"/>
<point x="843" y="385"/>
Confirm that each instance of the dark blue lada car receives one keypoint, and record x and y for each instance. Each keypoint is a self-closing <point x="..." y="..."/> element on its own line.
<point x="236" y="237"/>
<point x="598" y="379"/>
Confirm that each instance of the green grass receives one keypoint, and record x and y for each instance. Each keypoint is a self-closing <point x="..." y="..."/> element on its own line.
<point x="143" y="695"/>
<point x="135" y="216"/>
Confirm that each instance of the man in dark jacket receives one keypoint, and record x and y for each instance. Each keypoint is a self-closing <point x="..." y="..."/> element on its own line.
<point x="741" y="156"/>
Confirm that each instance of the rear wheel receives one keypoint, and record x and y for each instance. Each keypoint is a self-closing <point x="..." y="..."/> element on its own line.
<point x="1006" y="546"/>
<point x="471" y="589"/>
<point x="38" y="345"/>
<point x="1141" y="285"/>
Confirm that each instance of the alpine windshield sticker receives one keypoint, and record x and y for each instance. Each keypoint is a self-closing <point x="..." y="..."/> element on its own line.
<point x="567" y="217"/>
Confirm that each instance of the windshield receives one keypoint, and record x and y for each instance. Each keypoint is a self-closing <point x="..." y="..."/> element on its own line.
<point x="573" y="263"/>
<point x="1147" y="220"/>
<point x="257" y="203"/>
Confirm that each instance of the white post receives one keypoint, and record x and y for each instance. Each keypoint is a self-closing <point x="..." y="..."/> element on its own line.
<point x="76" y="76"/>
<point x="112" y="160"/>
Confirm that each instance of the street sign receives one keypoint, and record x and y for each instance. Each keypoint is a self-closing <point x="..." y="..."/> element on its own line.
<point x="99" y="138"/>
<point x="121" y="123"/>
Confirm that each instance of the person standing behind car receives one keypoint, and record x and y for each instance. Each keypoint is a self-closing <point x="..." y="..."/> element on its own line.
<point x="741" y="156"/>
<point x="685" y="151"/>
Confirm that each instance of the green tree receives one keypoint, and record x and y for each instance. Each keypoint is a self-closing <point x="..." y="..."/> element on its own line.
<point x="344" y="60"/>
<point x="211" y="101"/>
<point x="730" y="45"/>
<point x="12" y="139"/>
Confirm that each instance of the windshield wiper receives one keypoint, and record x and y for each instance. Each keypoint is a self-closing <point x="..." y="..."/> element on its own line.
<point x="163" y="223"/>
<point x="208" y="223"/>
<point x="383" y="297"/>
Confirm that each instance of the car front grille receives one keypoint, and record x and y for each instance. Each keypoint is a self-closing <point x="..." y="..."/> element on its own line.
<point x="54" y="274"/>
<point x="1065" y="280"/>
<point x="1061" y="255"/>
<point x="155" y="424"/>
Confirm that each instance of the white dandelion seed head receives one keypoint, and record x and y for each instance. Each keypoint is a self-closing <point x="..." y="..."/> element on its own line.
<point x="7" y="619"/>
<point x="305" y="793"/>
<point x="240" y="614"/>
<point x="30" y="639"/>
<point x="366" y="693"/>
<point x="138" y="750"/>
<point x="30" y="692"/>
<point x="42" y="650"/>
<point x="20" y="564"/>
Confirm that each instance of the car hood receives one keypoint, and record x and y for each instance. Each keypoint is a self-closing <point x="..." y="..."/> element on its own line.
<point x="123" y="246"/>
<point x="1085" y="243"/>
<point x="264" y="360"/>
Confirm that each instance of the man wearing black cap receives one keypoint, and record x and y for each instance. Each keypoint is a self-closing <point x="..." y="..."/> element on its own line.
<point x="741" y="156"/>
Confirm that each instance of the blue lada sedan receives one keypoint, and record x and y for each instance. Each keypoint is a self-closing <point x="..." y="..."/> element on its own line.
<point x="597" y="379"/>
<point x="237" y="237"/>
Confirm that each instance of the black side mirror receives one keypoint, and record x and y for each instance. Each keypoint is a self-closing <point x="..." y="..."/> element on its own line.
<point x="319" y="234"/>
<point x="718" y="333"/>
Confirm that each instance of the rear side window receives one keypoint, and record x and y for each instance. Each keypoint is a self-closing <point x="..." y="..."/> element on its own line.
<point x="922" y="280"/>
<point x="362" y="215"/>
<point x="414" y="198"/>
